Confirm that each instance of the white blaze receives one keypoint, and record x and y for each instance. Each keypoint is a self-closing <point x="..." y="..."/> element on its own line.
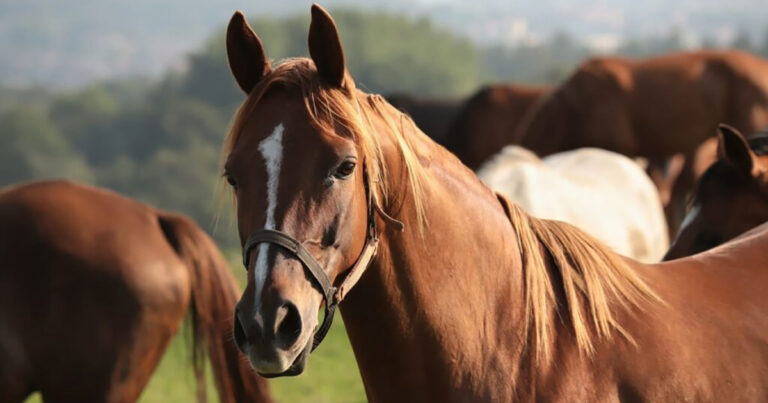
<point x="271" y="149"/>
<point x="695" y="210"/>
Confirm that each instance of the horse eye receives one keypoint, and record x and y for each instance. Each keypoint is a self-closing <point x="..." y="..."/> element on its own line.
<point x="231" y="181"/>
<point x="345" y="169"/>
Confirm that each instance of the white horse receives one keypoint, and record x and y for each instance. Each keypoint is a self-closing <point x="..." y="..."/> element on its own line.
<point x="604" y="193"/>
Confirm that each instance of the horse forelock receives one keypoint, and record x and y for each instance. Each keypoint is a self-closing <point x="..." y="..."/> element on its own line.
<point x="592" y="281"/>
<point x="345" y="111"/>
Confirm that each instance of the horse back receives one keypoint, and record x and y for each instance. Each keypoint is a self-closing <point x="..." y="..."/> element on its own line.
<point x="710" y="336"/>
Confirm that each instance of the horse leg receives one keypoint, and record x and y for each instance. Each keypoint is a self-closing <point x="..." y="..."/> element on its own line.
<point x="164" y="304"/>
<point x="15" y="370"/>
<point x="142" y="360"/>
<point x="113" y="347"/>
<point x="124" y="377"/>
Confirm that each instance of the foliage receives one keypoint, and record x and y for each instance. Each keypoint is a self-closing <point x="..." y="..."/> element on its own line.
<point x="33" y="147"/>
<point x="159" y="142"/>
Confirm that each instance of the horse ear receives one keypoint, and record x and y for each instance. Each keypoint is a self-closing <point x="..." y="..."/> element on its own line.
<point x="325" y="47"/>
<point x="247" y="59"/>
<point x="733" y="147"/>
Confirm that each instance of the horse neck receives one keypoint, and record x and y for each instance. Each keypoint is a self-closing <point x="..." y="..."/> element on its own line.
<point x="426" y="315"/>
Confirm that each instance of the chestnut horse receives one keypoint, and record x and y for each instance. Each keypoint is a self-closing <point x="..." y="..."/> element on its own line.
<point x="472" y="299"/>
<point x="488" y="120"/>
<point x="94" y="286"/>
<point x="730" y="198"/>
<point x="652" y="108"/>
<point x="432" y="115"/>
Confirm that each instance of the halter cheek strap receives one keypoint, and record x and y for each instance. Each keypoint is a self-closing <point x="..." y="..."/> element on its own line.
<point x="332" y="295"/>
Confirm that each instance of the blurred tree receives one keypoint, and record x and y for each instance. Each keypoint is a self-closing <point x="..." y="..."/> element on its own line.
<point x="385" y="54"/>
<point x="32" y="148"/>
<point x="544" y="63"/>
<point x="84" y="118"/>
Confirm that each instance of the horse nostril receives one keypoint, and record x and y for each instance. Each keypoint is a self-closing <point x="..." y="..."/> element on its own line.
<point x="239" y="332"/>
<point x="288" y="323"/>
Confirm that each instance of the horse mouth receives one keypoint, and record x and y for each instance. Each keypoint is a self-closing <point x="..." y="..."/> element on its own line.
<point x="297" y="368"/>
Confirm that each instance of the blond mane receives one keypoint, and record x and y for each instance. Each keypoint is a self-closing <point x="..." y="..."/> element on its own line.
<point x="589" y="283"/>
<point x="346" y="112"/>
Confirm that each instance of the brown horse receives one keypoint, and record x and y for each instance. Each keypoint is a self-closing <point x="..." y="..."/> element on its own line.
<point x="473" y="299"/>
<point x="432" y="115"/>
<point x="730" y="198"/>
<point x="488" y="120"/>
<point x="93" y="287"/>
<point x="652" y="108"/>
<point x="679" y="180"/>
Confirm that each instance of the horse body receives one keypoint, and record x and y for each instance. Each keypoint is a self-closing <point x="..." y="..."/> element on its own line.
<point x="434" y="116"/>
<point x="487" y="121"/>
<point x="94" y="286"/>
<point x="446" y="324"/>
<point x="604" y="193"/>
<point x="476" y="300"/>
<point x="709" y="339"/>
<point x="652" y="108"/>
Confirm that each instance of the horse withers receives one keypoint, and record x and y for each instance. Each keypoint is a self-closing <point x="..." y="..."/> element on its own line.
<point x="93" y="286"/>
<point x="730" y="198"/>
<point x="466" y="297"/>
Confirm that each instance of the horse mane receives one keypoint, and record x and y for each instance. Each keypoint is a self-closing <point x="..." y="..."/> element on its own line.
<point x="584" y="283"/>
<point x="344" y="111"/>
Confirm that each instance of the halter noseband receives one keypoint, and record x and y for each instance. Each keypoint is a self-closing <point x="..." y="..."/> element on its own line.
<point x="332" y="295"/>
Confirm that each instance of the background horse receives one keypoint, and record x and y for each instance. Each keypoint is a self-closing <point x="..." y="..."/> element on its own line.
<point x="488" y="120"/>
<point x="730" y="198"/>
<point x="475" y="300"/>
<point x="433" y="115"/>
<point x="93" y="287"/>
<point x="652" y="108"/>
<point x="604" y="193"/>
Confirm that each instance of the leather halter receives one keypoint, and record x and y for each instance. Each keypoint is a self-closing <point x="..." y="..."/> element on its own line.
<point x="332" y="295"/>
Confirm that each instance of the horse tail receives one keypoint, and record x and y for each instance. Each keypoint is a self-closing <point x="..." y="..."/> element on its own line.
<point x="214" y="295"/>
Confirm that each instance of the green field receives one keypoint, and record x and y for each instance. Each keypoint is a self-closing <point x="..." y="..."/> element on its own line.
<point x="330" y="376"/>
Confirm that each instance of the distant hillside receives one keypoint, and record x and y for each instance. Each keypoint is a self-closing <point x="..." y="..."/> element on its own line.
<point x="70" y="43"/>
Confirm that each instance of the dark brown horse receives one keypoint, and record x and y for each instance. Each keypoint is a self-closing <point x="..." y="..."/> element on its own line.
<point x="432" y="115"/>
<point x="473" y="299"/>
<point x="488" y="120"/>
<point x="652" y="108"/>
<point x="93" y="286"/>
<point x="730" y="198"/>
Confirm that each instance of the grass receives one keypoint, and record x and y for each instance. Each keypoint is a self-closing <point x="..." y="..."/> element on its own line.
<point x="331" y="374"/>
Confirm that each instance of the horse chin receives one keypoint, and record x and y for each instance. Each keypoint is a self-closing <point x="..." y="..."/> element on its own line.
<point x="299" y="363"/>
